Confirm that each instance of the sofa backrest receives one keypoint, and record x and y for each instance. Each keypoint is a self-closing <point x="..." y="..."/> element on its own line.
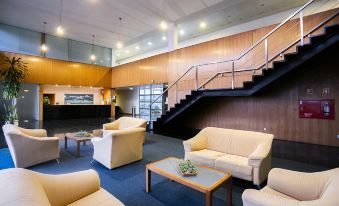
<point x="131" y="122"/>
<point x="236" y="142"/>
<point x="20" y="187"/>
<point x="10" y="130"/>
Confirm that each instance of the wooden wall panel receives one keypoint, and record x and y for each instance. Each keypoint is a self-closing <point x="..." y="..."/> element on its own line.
<point x="52" y="71"/>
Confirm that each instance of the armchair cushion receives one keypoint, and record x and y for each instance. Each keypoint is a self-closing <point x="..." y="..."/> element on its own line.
<point x="237" y="165"/>
<point x="204" y="157"/>
<point x="101" y="197"/>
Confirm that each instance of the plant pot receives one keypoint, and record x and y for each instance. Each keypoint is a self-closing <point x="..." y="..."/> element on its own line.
<point x="7" y="122"/>
<point x="16" y="122"/>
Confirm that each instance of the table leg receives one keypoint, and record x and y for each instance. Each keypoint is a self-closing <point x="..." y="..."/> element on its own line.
<point x="78" y="149"/>
<point x="229" y="192"/>
<point x="65" y="142"/>
<point x="148" y="180"/>
<point x="209" y="197"/>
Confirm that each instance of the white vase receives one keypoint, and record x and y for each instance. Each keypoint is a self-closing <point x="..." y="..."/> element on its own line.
<point x="16" y="122"/>
<point x="7" y="122"/>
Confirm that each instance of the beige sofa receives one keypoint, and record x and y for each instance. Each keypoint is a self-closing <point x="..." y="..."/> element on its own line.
<point x="290" y="188"/>
<point x="124" y="123"/>
<point x="244" y="154"/>
<point x="30" y="146"/>
<point x="22" y="187"/>
<point x="119" y="147"/>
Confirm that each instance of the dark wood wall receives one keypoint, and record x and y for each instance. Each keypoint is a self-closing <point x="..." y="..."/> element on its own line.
<point x="277" y="107"/>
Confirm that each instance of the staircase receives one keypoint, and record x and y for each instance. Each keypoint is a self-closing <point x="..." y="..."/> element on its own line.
<point x="271" y="71"/>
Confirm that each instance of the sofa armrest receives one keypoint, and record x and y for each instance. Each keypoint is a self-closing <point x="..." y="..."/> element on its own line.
<point x="67" y="188"/>
<point x="34" y="132"/>
<point x="196" y="143"/>
<point x="111" y="126"/>
<point x="252" y="197"/>
<point x="259" y="154"/>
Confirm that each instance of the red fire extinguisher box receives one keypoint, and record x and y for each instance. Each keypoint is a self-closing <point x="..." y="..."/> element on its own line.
<point x="317" y="109"/>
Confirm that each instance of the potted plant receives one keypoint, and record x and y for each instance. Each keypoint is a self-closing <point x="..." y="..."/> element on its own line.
<point x="12" y="71"/>
<point x="11" y="115"/>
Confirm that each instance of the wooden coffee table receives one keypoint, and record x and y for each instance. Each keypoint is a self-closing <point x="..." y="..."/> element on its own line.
<point x="78" y="140"/>
<point x="206" y="181"/>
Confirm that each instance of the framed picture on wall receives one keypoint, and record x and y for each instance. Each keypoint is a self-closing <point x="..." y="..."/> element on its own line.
<point x="79" y="99"/>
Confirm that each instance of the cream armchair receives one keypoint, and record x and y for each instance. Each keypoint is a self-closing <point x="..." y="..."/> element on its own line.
<point x="24" y="187"/>
<point x="290" y="188"/>
<point x="119" y="147"/>
<point x="124" y="123"/>
<point x="244" y="154"/>
<point x="30" y="146"/>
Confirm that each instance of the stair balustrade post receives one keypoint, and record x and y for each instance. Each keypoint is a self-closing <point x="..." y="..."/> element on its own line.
<point x="266" y="53"/>
<point x="176" y="92"/>
<point x="196" y="78"/>
<point x="301" y="23"/>
<point x="233" y="75"/>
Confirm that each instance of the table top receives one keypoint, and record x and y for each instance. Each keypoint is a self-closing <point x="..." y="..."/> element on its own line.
<point x="207" y="178"/>
<point x="78" y="138"/>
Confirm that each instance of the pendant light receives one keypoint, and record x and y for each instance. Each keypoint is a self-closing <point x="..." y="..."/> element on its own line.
<point x="92" y="57"/>
<point x="119" y="43"/>
<point x="163" y="24"/>
<point x="43" y="47"/>
<point x="60" y="30"/>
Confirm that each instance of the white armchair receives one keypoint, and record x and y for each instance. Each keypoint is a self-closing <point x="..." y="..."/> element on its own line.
<point x="119" y="147"/>
<point x="30" y="146"/>
<point x="291" y="188"/>
<point x="24" y="187"/>
<point x="124" y="123"/>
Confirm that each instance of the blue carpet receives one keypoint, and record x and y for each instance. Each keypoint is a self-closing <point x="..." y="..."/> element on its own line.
<point x="127" y="183"/>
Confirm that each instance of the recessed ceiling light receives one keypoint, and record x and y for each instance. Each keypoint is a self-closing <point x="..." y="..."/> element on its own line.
<point x="149" y="43"/>
<point x="164" y="38"/>
<point x="26" y="90"/>
<point x="163" y="25"/>
<point x="118" y="55"/>
<point x="126" y="51"/>
<point x="182" y="32"/>
<point x="119" y="45"/>
<point x="137" y="47"/>
<point x="202" y="25"/>
<point x="131" y="88"/>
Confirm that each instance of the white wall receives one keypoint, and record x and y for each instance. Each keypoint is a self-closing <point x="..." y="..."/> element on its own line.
<point x="126" y="98"/>
<point x="60" y="92"/>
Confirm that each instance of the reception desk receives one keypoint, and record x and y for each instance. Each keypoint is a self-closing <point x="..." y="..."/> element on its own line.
<point x="75" y="111"/>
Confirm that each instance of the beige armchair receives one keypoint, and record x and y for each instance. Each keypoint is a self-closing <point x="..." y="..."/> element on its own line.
<point x="25" y="187"/>
<point x="124" y="123"/>
<point x="290" y="188"/>
<point x="30" y="146"/>
<point x="119" y="147"/>
<point x="244" y="154"/>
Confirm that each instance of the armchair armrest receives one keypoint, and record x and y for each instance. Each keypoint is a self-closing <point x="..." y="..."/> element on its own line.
<point x="252" y="197"/>
<point x="34" y="132"/>
<point x="196" y="143"/>
<point x="299" y="185"/>
<point x="67" y="188"/>
<point x="111" y="126"/>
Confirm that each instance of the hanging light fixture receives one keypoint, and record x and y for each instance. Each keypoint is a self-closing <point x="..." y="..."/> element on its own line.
<point x="163" y="24"/>
<point x="119" y="43"/>
<point x="93" y="57"/>
<point x="43" y="47"/>
<point x="59" y="29"/>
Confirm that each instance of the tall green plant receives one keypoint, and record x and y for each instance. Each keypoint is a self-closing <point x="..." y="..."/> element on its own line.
<point x="13" y="71"/>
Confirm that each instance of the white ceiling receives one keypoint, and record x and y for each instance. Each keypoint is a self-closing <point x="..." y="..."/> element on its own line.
<point x="141" y="18"/>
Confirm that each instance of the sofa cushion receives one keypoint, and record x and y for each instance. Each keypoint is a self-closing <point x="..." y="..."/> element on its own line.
<point x="19" y="187"/>
<point x="204" y="157"/>
<point x="236" y="165"/>
<point x="101" y="197"/>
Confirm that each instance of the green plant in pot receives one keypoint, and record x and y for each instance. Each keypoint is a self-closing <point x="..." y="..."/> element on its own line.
<point x="12" y="71"/>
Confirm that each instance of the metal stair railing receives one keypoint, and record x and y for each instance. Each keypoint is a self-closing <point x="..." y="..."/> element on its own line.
<point x="233" y="71"/>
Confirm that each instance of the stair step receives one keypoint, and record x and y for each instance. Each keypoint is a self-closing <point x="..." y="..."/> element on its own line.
<point x="291" y="56"/>
<point x="304" y="48"/>
<point x="332" y="29"/>
<point x="318" y="39"/>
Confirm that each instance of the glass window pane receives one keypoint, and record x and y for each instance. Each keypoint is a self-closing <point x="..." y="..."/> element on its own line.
<point x="57" y="47"/>
<point x="29" y="42"/>
<point x="80" y="52"/>
<point x="9" y="38"/>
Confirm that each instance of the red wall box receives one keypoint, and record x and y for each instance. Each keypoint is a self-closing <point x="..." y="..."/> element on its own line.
<point x="317" y="109"/>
